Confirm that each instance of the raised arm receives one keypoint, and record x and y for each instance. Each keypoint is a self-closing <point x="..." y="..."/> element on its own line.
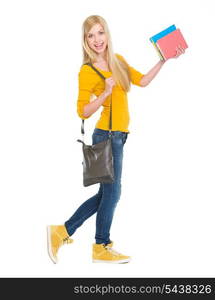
<point x="147" y="78"/>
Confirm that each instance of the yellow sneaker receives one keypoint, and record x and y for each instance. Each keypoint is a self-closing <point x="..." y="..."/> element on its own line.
<point x="107" y="254"/>
<point x="57" y="235"/>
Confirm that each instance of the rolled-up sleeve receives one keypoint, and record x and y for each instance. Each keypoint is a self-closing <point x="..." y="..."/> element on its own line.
<point x="86" y="87"/>
<point x="135" y="75"/>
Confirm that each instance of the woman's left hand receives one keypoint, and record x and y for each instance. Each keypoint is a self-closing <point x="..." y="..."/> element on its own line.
<point x="179" y="50"/>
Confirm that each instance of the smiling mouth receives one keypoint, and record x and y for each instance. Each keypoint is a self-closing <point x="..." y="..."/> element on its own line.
<point x="99" y="46"/>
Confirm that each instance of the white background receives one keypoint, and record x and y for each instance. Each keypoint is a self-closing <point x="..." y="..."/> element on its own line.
<point x="165" y="217"/>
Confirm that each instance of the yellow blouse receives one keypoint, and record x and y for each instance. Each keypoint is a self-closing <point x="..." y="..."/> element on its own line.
<point x="91" y="83"/>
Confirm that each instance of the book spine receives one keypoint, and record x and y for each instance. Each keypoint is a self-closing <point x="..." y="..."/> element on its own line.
<point x="164" y="58"/>
<point x="158" y="51"/>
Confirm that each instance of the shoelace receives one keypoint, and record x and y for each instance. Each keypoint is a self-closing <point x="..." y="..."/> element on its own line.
<point x="67" y="240"/>
<point x="114" y="252"/>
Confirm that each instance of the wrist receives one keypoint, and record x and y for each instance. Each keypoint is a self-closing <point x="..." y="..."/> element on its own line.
<point x="106" y="93"/>
<point x="162" y="61"/>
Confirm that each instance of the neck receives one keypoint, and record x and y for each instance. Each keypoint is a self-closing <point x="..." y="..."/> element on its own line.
<point x="101" y="57"/>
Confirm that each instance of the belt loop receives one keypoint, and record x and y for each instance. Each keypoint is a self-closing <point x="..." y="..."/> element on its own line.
<point x="110" y="133"/>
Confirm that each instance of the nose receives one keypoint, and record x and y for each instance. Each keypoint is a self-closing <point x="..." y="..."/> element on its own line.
<point x="97" y="39"/>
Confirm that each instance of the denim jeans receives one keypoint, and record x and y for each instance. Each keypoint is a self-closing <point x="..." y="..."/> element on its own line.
<point x="105" y="201"/>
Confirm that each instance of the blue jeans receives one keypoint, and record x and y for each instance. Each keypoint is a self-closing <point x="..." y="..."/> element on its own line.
<point x="105" y="201"/>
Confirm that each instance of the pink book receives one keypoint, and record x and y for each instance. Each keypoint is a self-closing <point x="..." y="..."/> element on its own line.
<point x="169" y="42"/>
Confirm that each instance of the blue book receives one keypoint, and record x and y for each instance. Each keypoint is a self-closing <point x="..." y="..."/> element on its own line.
<point x="161" y="34"/>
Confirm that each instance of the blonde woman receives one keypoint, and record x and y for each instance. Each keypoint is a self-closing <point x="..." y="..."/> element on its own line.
<point x="97" y="50"/>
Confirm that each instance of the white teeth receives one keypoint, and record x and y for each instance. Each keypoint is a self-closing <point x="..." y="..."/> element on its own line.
<point x="99" y="45"/>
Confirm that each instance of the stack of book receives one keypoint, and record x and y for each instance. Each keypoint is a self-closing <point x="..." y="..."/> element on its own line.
<point x="166" y="42"/>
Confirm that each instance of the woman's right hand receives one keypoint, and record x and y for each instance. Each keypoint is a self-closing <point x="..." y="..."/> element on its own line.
<point x="109" y="84"/>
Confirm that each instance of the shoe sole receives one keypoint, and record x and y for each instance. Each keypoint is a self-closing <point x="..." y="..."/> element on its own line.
<point x="123" y="261"/>
<point x="49" y="245"/>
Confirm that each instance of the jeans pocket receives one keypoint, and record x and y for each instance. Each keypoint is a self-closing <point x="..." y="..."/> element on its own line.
<point x="124" y="138"/>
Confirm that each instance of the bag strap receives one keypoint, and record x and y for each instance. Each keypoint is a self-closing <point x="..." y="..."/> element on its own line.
<point x="110" y="120"/>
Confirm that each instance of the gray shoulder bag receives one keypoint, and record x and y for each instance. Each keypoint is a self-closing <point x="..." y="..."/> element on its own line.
<point x="98" y="159"/>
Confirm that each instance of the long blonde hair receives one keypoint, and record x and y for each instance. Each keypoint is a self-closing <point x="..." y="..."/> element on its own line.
<point x="118" y="67"/>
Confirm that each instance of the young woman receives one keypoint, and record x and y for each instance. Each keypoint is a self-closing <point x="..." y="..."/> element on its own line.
<point x="97" y="50"/>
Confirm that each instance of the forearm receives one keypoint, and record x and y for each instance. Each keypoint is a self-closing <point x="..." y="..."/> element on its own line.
<point x="93" y="106"/>
<point x="147" y="78"/>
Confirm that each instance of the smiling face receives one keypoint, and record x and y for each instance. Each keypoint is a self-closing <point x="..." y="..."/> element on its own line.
<point x="97" y="39"/>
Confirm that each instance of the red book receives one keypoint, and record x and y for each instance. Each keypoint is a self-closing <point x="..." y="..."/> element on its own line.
<point x="168" y="44"/>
